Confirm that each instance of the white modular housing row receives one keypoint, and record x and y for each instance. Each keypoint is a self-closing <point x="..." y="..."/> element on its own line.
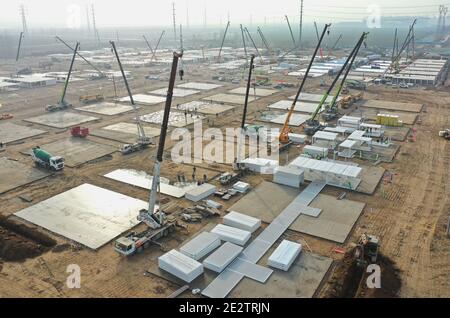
<point x="242" y="221"/>
<point x="260" y="165"/>
<point x="222" y="257"/>
<point x="231" y="234"/>
<point x="289" y="175"/>
<point x="332" y="173"/>
<point x="284" y="255"/>
<point x="180" y="265"/>
<point x="201" y="245"/>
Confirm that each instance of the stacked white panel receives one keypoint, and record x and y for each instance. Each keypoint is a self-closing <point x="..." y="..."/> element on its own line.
<point x="231" y="234"/>
<point x="180" y="265"/>
<point x="201" y="245"/>
<point x="284" y="255"/>
<point x="222" y="257"/>
<point x="241" y="187"/>
<point x="242" y="221"/>
<point x="201" y="192"/>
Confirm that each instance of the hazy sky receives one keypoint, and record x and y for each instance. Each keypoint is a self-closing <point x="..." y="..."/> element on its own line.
<point x="72" y="13"/>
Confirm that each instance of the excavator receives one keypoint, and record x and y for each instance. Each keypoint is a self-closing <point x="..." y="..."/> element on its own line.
<point x="143" y="141"/>
<point x="158" y="225"/>
<point x="366" y="250"/>
<point x="284" y="133"/>
<point x="62" y="104"/>
<point x="331" y="111"/>
<point x="312" y="124"/>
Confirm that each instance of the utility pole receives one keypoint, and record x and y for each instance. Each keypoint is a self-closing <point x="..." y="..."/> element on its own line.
<point x="300" y="24"/>
<point x="174" y="22"/>
<point x="24" y="19"/>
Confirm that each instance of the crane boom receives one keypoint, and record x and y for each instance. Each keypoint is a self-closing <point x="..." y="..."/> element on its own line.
<point x="253" y="42"/>
<point x="243" y="41"/>
<point x="19" y="46"/>
<point x="157" y="45"/>
<point x="284" y="138"/>
<point x="148" y="44"/>
<point x="290" y="30"/>
<point x="335" y="44"/>
<point x="141" y="138"/>
<point x="263" y="38"/>
<point x="223" y="39"/>
<point x="63" y="95"/>
<point x="317" y="34"/>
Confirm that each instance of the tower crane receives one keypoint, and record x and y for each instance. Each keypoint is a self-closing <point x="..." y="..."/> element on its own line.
<point x="143" y="141"/>
<point x="284" y="133"/>
<point x="157" y="223"/>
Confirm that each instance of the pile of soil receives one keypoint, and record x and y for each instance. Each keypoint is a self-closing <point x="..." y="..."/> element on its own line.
<point x="19" y="242"/>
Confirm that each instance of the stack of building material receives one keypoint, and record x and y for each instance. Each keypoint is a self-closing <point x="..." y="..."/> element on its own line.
<point x="289" y="175"/>
<point x="242" y="221"/>
<point x="180" y="265"/>
<point x="388" y="120"/>
<point x="222" y="257"/>
<point x="231" y="234"/>
<point x="201" y="245"/>
<point x="297" y="138"/>
<point x="201" y="192"/>
<point x="241" y="187"/>
<point x="284" y="255"/>
<point x="260" y="165"/>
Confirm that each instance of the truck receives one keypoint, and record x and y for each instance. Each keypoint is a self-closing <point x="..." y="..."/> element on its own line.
<point x="45" y="160"/>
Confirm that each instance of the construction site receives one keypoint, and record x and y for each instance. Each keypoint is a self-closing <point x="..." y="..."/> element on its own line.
<point x="266" y="157"/>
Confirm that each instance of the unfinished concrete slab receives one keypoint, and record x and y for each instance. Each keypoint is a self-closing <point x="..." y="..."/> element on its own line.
<point x="87" y="214"/>
<point x="295" y="120"/>
<point x="177" y="92"/>
<point x="301" y="107"/>
<point x="144" y="99"/>
<point x="106" y="108"/>
<point x="14" y="174"/>
<point x="176" y="119"/>
<point x="370" y="178"/>
<point x="124" y="132"/>
<point x="204" y="107"/>
<point x="230" y="98"/>
<point x="77" y="151"/>
<point x="261" y="92"/>
<point x="10" y="132"/>
<point x="200" y="86"/>
<point x="391" y="105"/>
<point x="310" y="97"/>
<point x="61" y="119"/>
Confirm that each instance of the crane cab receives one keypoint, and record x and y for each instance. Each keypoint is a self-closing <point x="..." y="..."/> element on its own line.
<point x="125" y="246"/>
<point x="56" y="163"/>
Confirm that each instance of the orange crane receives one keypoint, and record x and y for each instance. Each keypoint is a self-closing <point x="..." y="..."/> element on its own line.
<point x="284" y="134"/>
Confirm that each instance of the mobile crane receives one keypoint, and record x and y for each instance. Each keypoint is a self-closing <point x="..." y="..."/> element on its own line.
<point x="312" y="125"/>
<point x="332" y="110"/>
<point x="155" y="219"/>
<point x="284" y="133"/>
<point x="143" y="141"/>
<point x="62" y="104"/>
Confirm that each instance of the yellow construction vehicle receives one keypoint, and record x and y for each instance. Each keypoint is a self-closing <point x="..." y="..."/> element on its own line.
<point x="87" y="99"/>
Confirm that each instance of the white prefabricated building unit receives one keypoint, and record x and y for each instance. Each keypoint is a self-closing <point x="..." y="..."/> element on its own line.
<point x="289" y="175"/>
<point x="242" y="221"/>
<point x="201" y="245"/>
<point x="180" y="265"/>
<point x="222" y="257"/>
<point x="284" y="255"/>
<point x="231" y="234"/>
<point x="201" y="192"/>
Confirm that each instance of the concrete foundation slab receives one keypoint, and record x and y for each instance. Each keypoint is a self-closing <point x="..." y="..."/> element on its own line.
<point x="391" y="105"/>
<point x="106" y="108"/>
<point x="370" y="178"/>
<point x="200" y="86"/>
<point x="10" y="132"/>
<point x="176" y="119"/>
<point x="144" y="99"/>
<point x="309" y="97"/>
<point x="295" y="120"/>
<point x="206" y="108"/>
<point x="124" y="132"/>
<point x="261" y="92"/>
<point x="87" y="214"/>
<point x="177" y="92"/>
<point x="61" y="119"/>
<point x="301" y="107"/>
<point x="14" y="174"/>
<point x="77" y="151"/>
<point x="230" y="98"/>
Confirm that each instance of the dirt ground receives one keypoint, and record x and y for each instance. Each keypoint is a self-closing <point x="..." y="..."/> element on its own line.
<point x="409" y="215"/>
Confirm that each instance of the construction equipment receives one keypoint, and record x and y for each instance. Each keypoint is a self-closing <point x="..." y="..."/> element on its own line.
<point x="143" y="141"/>
<point x="6" y="116"/>
<point x="445" y="134"/>
<point x="45" y="160"/>
<point x="253" y="43"/>
<point x="317" y="34"/>
<point x="19" y="46"/>
<point x="355" y="84"/>
<point x="78" y="131"/>
<point x="290" y="30"/>
<point x="241" y="139"/>
<point x="331" y="110"/>
<point x="87" y="99"/>
<point x="223" y="40"/>
<point x="366" y="250"/>
<point x="158" y="224"/>
<point x="349" y="100"/>
<point x="62" y="104"/>
<point x="284" y="133"/>
<point x="334" y="45"/>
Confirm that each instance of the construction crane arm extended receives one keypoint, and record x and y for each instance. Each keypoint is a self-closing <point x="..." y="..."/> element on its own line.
<point x="63" y="95"/>
<point x="253" y="42"/>
<point x="19" y="46"/>
<point x="408" y="39"/>
<point x="157" y="45"/>
<point x="162" y="139"/>
<point x="141" y="131"/>
<point x="223" y="39"/>
<point x="284" y="138"/>
<point x="148" y="44"/>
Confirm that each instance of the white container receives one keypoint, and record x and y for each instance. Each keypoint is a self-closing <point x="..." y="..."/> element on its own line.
<point x="201" y="192"/>
<point x="201" y="245"/>
<point x="241" y="187"/>
<point x="242" y="221"/>
<point x="297" y="138"/>
<point x="289" y="175"/>
<point x="284" y="255"/>
<point x="222" y="257"/>
<point x="180" y="265"/>
<point x="231" y="234"/>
